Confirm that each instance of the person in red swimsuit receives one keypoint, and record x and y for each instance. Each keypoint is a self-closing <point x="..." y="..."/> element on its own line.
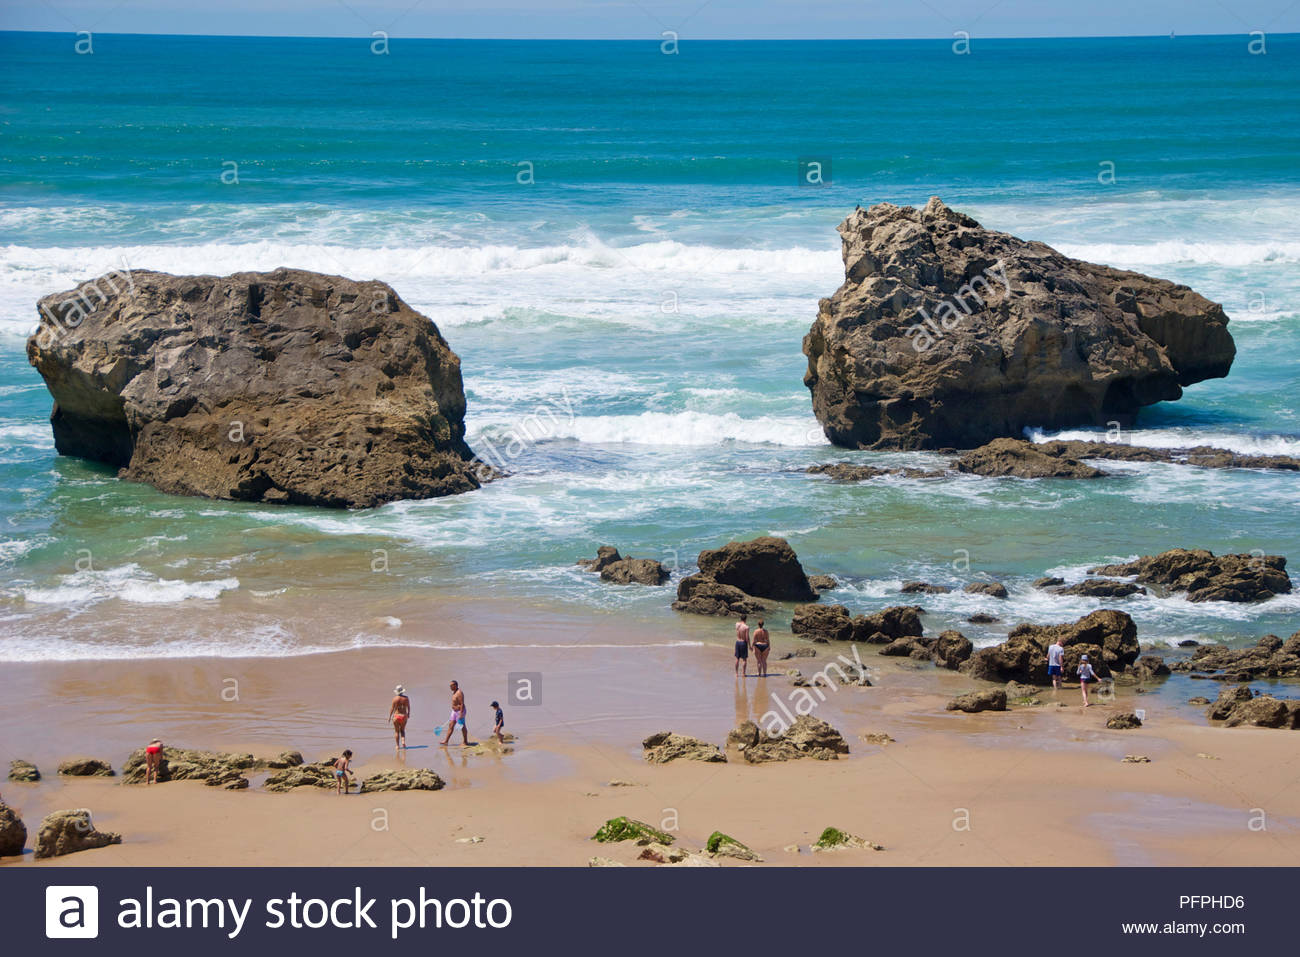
<point x="152" y="758"/>
<point x="398" y="715"/>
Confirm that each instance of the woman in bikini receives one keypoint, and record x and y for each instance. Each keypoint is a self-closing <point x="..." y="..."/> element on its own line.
<point x="762" y="645"/>
<point x="398" y="714"/>
<point x="152" y="758"/>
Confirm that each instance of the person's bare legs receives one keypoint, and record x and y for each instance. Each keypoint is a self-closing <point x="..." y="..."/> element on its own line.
<point x="1083" y="686"/>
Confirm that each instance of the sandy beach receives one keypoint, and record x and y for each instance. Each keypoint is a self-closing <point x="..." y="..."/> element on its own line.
<point x="1043" y="785"/>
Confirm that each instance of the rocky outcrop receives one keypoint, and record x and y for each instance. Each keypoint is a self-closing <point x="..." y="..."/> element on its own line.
<point x="973" y="702"/>
<point x="1065" y="459"/>
<point x="288" y="387"/>
<point x="216" y="769"/>
<point x="1270" y="657"/>
<point x="23" y="771"/>
<point x="13" y="832"/>
<point x="1102" y="588"/>
<point x="1020" y="459"/>
<point x="1202" y="456"/>
<point x="822" y="623"/>
<point x="665" y="746"/>
<point x="1048" y="581"/>
<point x="86" y="768"/>
<point x="948" y="334"/>
<point x="992" y="589"/>
<point x="403" y="779"/>
<point x="765" y="567"/>
<point x="613" y="567"/>
<point x="807" y="737"/>
<point x="951" y="649"/>
<point x="700" y="595"/>
<point x="849" y="472"/>
<point x="823" y="583"/>
<point x="924" y="588"/>
<point x="1107" y="637"/>
<point x="318" y="775"/>
<point x="1228" y="699"/>
<point x="1241" y="706"/>
<point x="66" y="832"/>
<point x="1146" y="669"/>
<point x="1205" y="577"/>
<point x="919" y="649"/>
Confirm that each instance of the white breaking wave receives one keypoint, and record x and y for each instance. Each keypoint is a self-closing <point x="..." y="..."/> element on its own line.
<point x="271" y="641"/>
<point x="655" y="428"/>
<point x="1180" y="438"/>
<point x="128" y="583"/>
<point x="1176" y="251"/>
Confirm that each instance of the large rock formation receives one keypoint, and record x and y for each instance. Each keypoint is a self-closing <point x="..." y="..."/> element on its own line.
<point x="730" y="577"/>
<point x="1207" y="577"/>
<point x="766" y="567"/>
<point x="1107" y="637"/>
<point x="288" y="386"/>
<point x="946" y="334"/>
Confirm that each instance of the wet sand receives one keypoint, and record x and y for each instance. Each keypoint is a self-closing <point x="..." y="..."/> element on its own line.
<point x="1034" y="786"/>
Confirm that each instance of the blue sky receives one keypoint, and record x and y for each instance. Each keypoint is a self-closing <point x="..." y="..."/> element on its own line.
<point x="649" y="18"/>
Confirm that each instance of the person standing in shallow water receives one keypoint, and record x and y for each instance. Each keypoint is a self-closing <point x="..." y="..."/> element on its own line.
<point x="762" y="645"/>
<point x="1086" y="674"/>
<point x="398" y="714"/>
<point x="1056" y="662"/>
<point x="742" y="647"/>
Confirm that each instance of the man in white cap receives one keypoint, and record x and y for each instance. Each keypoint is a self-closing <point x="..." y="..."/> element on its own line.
<point x="398" y="715"/>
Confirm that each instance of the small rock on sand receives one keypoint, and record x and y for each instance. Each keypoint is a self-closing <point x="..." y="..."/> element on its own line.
<point x="1123" y="721"/>
<point x="23" y="772"/>
<point x="86" y="768"/>
<point x="66" y="832"/>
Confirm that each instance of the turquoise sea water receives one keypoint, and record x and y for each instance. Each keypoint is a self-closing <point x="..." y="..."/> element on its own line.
<point x="633" y="308"/>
